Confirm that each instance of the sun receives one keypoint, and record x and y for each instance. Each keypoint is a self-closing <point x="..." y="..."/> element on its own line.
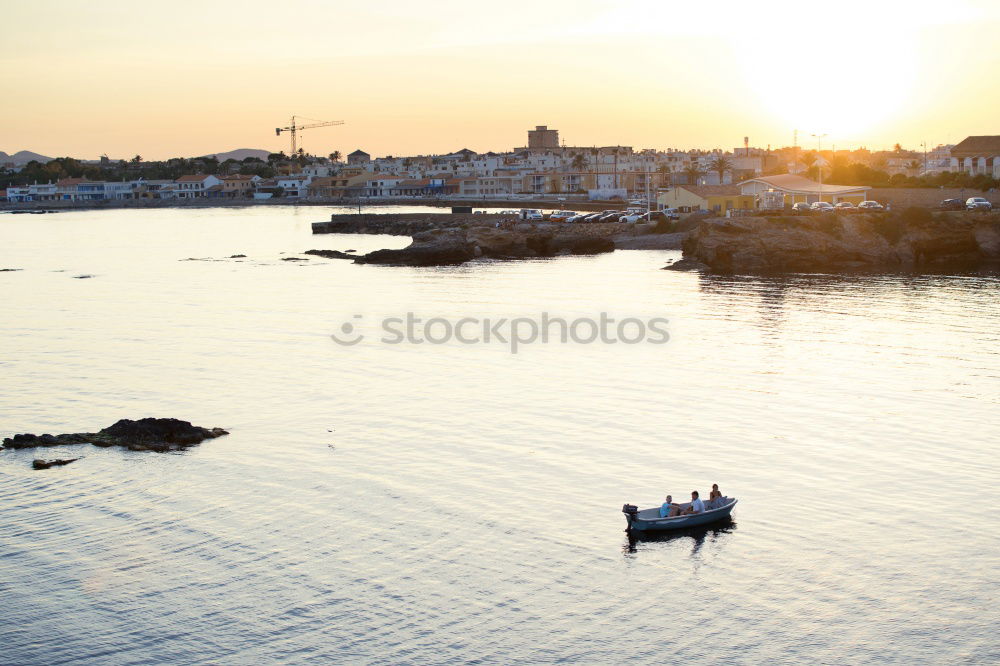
<point x="830" y="92"/>
<point x="818" y="71"/>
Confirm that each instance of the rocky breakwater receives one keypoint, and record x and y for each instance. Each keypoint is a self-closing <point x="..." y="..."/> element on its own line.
<point x="400" y="224"/>
<point x="444" y="247"/>
<point x="143" y="435"/>
<point x="914" y="239"/>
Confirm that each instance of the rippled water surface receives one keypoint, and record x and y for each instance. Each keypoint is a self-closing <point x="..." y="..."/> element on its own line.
<point x="459" y="503"/>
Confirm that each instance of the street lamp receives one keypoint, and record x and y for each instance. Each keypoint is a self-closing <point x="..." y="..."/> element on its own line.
<point x="819" y="149"/>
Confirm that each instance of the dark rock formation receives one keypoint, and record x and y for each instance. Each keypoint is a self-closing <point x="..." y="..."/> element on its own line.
<point x="82" y="277"/>
<point x="147" y="434"/>
<point x="445" y="247"/>
<point x="399" y="224"/>
<point x="9" y="270"/>
<point x="294" y="259"/>
<point x="561" y="243"/>
<point x="421" y="254"/>
<point x="38" y="463"/>
<point x="331" y="254"/>
<point x="237" y="256"/>
<point x="912" y="240"/>
<point x="686" y="264"/>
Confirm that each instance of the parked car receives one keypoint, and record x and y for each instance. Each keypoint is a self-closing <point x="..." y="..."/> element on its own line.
<point x="532" y="215"/>
<point x="822" y="207"/>
<point x="579" y="217"/>
<point x="978" y="203"/>
<point x="845" y="207"/>
<point x="632" y="216"/>
<point x="800" y="207"/>
<point x="592" y="217"/>
<point x="609" y="216"/>
<point x="561" y="215"/>
<point x="952" y="204"/>
<point x="870" y="205"/>
<point x="655" y="216"/>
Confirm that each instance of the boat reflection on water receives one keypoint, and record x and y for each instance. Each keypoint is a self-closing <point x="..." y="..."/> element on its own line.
<point x="697" y="534"/>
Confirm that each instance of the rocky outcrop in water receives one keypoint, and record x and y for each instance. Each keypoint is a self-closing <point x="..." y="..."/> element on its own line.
<point x="147" y="434"/>
<point x="331" y="254"/>
<point x="915" y="239"/>
<point x="446" y="247"/>
<point x="38" y="463"/>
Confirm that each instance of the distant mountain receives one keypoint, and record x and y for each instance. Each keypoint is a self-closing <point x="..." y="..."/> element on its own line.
<point x="241" y="154"/>
<point x="23" y="157"/>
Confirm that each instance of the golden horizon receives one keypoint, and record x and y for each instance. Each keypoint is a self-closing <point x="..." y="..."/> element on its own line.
<point x="123" y="80"/>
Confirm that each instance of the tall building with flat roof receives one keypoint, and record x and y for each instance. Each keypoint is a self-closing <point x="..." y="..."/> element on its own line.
<point x="543" y="137"/>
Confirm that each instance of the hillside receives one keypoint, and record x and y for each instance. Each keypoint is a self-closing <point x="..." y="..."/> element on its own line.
<point x="23" y="157"/>
<point x="241" y="154"/>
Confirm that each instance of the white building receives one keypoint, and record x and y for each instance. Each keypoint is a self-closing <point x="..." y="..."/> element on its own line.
<point x="798" y="189"/>
<point x="119" y="191"/>
<point x="43" y="192"/>
<point x="294" y="186"/>
<point x="196" y="186"/>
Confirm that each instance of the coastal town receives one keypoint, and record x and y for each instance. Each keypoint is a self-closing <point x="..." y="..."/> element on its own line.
<point x="545" y="169"/>
<point x="538" y="333"/>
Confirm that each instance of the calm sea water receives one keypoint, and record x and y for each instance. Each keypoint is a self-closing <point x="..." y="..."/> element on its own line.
<point x="459" y="503"/>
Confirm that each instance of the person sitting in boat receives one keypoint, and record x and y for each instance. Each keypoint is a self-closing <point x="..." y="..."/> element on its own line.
<point x="696" y="506"/>
<point x="714" y="497"/>
<point x="668" y="509"/>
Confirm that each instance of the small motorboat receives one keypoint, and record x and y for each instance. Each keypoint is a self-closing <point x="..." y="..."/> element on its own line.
<point x="648" y="520"/>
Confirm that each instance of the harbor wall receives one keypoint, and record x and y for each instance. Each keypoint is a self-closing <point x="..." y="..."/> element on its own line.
<point x="407" y="224"/>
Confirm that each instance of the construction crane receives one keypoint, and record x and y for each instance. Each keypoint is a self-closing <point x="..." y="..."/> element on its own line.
<point x="294" y="128"/>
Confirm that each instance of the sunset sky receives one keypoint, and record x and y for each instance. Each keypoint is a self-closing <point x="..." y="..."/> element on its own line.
<point x="189" y="78"/>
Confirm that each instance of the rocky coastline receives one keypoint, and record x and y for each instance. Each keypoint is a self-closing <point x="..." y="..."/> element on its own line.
<point x="446" y="247"/>
<point x="443" y="239"/>
<point x="914" y="239"/>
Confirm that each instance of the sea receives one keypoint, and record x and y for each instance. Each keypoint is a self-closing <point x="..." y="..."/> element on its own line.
<point x="428" y="465"/>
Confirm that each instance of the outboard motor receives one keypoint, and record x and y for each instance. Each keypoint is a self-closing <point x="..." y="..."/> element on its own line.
<point x="630" y="511"/>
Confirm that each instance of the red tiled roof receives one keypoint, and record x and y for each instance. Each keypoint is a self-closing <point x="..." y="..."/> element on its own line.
<point x="979" y="146"/>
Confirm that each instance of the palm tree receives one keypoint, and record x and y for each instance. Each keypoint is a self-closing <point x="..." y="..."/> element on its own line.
<point x="693" y="173"/>
<point x="721" y="165"/>
<point x="579" y="162"/>
<point x="335" y="156"/>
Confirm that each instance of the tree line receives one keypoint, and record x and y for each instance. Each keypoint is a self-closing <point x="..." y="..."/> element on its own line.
<point x="136" y="168"/>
